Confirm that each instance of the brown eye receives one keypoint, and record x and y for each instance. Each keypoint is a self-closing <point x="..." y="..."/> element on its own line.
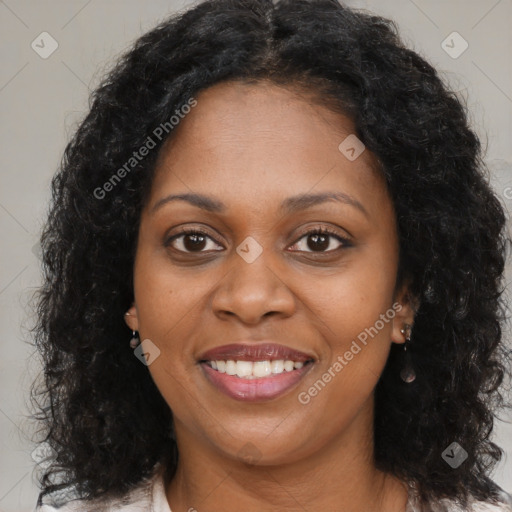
<point x="321" y="240"/>
<point x="190" y="240"/>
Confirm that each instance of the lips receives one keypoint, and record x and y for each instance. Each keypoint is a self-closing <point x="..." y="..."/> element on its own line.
<point x="252" y="352"/>
<point x="285" y="367"/>
<point x="255" y="390"/>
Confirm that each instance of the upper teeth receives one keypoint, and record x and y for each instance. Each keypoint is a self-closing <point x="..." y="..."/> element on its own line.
<point x="250" y="369"/>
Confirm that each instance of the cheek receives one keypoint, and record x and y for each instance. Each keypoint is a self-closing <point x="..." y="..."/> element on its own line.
<point x="168" y="305"/>
<point x="356" y="349"/>
<point x="353" y="299"/>
<point x="166" y="298"/>
<point x="356" y="313"/>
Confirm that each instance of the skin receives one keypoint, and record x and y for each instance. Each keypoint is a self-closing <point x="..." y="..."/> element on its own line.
<point x="251" y="147"/>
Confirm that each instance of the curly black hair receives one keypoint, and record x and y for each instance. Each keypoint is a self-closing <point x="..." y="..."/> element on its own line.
<point x="98" y="407"/>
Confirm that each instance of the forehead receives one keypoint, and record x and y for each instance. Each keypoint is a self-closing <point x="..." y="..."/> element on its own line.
<point x="262" y="141"/>
<point x="262" y="111"/>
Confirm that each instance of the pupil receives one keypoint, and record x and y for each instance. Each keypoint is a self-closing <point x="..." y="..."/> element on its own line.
<point x="315" y="238"/>
<point x="198" y="240"/>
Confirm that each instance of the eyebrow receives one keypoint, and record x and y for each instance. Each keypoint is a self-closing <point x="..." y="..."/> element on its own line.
<point x="288" y="206"/>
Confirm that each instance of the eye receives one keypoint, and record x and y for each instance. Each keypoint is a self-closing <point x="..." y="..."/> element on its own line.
<point x="190" y="240"/>
<point x="196" y="240"/>
<point x="319" y="240"/>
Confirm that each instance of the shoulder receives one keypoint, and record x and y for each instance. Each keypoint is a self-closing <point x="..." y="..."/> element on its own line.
<point x="148" y="495"/>
<point x="504" y="504"/>
<point x="135" y="501"/>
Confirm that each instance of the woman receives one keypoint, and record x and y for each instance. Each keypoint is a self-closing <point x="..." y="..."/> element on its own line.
<point x="273" y="277"/>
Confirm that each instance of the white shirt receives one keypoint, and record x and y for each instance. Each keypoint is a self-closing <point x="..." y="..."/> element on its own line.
<point x="149" y="496"/>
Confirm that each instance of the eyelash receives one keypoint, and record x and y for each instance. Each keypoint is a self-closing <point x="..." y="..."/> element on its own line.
<point x="317" y="231"/>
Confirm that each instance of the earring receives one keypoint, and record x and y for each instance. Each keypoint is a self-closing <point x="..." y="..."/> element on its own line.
<point x="407" y="374"/>
<point x="134" y="342"/>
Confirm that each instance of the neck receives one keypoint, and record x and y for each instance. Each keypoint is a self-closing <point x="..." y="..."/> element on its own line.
<point x="339" y="476"/>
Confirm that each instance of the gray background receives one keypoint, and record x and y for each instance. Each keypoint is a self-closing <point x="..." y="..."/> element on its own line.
<point x="42" y="100"/>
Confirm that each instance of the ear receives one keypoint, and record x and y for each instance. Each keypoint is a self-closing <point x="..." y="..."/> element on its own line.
<point x="131" y="318"/>
<point x="405" y="313"/>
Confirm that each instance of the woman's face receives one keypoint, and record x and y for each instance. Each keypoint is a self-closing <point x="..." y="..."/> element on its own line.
<point x="254" y="276"/>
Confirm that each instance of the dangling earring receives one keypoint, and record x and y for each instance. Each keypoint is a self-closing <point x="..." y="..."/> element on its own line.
<point x="134" y="342"/>
<point x="407" y="374"/>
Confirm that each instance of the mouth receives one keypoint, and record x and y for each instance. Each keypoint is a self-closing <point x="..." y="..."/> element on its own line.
<point x="255" y="372"/>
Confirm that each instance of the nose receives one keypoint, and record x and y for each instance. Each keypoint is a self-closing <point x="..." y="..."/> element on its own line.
<point x="251" y="291"/>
